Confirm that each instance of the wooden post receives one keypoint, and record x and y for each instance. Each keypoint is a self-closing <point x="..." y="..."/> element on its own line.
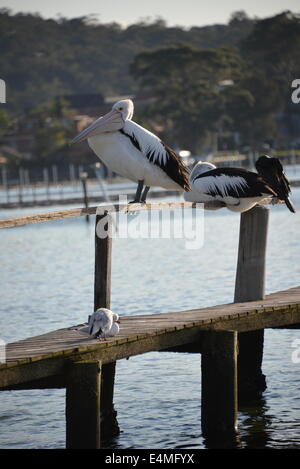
<point x="103" y="256"/>
<point x="102" y="293"/>
<point x="83" y="405"/>
<point x="219" y="387"/>
<point x="250" y="286"/>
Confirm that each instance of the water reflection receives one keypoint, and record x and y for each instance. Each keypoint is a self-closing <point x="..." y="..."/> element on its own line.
<point x="223" y="441"/>
<point x="255" y="422"/>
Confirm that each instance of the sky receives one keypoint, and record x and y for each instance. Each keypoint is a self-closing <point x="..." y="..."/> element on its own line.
<point x="185" y="13"/>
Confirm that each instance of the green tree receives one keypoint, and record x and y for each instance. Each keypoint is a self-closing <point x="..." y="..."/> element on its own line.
<point x="41" y="59"/>
<point x="272" y="52"/>
<point x="53" y="130"/>
<point x="185" y="81"/>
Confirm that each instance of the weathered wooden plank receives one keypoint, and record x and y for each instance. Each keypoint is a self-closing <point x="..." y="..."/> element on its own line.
<point x="30" y="363"/>
<point x="247" y="319"/>
<point x="56" y="364"/>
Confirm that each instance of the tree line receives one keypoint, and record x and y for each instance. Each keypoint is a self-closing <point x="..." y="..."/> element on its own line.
<point x="207" y="82"/>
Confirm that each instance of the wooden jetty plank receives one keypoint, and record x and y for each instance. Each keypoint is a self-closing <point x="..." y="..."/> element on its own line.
<point x="140" y="334"/>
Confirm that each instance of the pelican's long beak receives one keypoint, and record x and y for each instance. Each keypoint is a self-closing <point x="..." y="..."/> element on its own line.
<point x="111" y="122"/>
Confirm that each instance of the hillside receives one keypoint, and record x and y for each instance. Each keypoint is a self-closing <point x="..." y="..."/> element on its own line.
<point x="40" y="58"/>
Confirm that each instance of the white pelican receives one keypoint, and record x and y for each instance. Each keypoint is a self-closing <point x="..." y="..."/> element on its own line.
<point x="101" y="323"/>
<point x="238" y="188"/>
<point x="133" y="152"/>
<point x="115" y="328"/>
<point x="271" y="170"/>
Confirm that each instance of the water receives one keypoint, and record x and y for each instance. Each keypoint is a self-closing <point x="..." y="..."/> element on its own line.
<point x="65" y="191"/>
<point x="30" y="193"/>
<point x="47" y="283"/>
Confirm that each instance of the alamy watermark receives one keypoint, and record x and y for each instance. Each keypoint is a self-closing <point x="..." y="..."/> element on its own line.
<point x="296" y="353"/>
<point x="175" y="221"/>
<point x="2" y="91"/>
<point x="296" y="93"/>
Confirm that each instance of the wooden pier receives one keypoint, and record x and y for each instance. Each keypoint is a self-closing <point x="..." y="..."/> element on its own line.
<point x="228" y="337"/>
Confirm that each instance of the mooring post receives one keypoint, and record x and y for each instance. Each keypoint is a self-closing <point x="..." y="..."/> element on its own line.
<point x="102" y="294"/>
<point x="219" y="387"/>
<point x="250" y="286"/>
<point x="103" y="257"/>
<point x="83" y="405"/>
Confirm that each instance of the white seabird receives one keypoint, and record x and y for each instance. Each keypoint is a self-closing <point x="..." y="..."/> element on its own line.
<point x="115" y="328"/>
<point x="237" y="188"/>
<point x="133" y="152"/>
<point x="102" y="323"/>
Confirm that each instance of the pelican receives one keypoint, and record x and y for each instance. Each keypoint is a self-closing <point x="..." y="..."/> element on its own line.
<point x="101" y="323"/>
<point x="133" y="152"/>
<point x="271" y="170"/>
<point x="238" y="188"/>
<point x="115" y="328"/>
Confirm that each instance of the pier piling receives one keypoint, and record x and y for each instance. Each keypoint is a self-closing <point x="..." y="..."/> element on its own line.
<point x="83" y="405"/>
<point x="219" y="385"/>
<point x="250" y="286"/>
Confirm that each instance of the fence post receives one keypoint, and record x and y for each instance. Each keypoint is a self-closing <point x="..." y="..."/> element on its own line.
<point x="102" y="292"/>
<point x="250" y="286"/>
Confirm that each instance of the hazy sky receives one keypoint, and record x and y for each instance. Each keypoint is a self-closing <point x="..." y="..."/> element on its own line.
<point x="175" y="12"/>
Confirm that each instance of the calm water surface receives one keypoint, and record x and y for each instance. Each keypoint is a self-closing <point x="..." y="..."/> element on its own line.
<point x="47" y="283"/>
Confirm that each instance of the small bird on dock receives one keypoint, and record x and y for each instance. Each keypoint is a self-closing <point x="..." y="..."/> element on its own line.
<point x="103" y="323"/>
<point x="133" y="152"/>
<point x="270" y="168"/>
<point x="237" y="188"/>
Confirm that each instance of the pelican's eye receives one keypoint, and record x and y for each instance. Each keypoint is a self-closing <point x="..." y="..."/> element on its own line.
<point x="120" y="108"/>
